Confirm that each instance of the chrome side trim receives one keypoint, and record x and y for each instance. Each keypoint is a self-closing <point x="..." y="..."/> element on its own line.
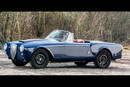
<point x="67" y="45"/>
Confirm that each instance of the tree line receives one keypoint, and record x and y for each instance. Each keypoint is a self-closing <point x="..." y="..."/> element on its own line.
<point x="104" y="26"/>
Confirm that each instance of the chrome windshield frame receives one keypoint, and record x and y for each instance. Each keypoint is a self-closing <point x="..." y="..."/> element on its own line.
<point x="66" y="38"/>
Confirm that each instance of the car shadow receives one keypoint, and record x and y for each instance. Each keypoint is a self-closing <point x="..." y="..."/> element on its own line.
<point x="68" y="66"/>
<point x="109" y="69"/>
<point x="72" y="66"/>
<point x="22" y="67"/>
<point x="89" y="66"/>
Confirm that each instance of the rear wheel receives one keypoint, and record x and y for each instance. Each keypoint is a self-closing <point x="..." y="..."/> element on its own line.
<point x="81" y="63"/>
<point x="19" y="63"/>
<point x="40" y="59"/>
<point x="103" y="59"/>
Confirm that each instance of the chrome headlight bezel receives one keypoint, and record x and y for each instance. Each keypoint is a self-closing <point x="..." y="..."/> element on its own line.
<point x="21" y="48"/>
<point x="5" y="46"/>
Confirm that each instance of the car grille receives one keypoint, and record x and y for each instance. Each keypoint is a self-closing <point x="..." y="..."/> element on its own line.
<point x="13" y="50"/>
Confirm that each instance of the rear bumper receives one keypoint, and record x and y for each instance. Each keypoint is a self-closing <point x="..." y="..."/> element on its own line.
<point x="117" y="55"/>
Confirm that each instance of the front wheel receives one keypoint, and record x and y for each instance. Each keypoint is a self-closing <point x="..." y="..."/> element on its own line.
<point x="18" y="63"/>
<point x="40" y="59"/>
<point x="103" y="59"/>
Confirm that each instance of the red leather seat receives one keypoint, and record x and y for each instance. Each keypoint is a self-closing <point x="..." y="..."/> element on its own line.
<point x="79" y="41"/>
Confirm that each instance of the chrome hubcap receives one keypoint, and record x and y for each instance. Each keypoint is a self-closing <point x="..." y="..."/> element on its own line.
<point x="103" y="60"/>
<point x="40" y="59"/>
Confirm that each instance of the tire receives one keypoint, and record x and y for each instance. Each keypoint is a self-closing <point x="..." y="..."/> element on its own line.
<point x="103" y="59"/>
<point x="40" y="59"/>
<point x="19" y="63"/>
<point x="81" y="63"/>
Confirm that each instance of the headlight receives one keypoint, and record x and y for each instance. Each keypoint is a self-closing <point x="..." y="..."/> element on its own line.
<point x="5" y="46"/>
<point x="21" y="48"/>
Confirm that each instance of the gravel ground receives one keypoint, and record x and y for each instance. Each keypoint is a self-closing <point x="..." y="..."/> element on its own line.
<point x="118" y="67"/>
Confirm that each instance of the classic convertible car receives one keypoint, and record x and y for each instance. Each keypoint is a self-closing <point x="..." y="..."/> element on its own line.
<point x="60" y="46"/>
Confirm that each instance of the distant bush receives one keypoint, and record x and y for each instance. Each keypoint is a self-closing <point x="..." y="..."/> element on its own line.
<point x="2" y="42"/>
<point x="0" y="47"/>
<point x="104" y="26"/>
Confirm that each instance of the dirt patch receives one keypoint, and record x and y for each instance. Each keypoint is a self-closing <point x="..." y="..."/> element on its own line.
<point x="118" y="67"/>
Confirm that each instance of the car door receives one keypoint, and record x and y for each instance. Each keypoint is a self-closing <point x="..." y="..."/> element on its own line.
<point x="58" y="50"/>
<point x="77" y="50"/>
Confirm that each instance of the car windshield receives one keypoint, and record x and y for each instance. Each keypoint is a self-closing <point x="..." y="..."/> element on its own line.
<point x="59" y="35"/>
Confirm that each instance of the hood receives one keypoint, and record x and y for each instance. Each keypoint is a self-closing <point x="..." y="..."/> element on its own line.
<point x="31" y="40"/>
<point x="36" y="42"/>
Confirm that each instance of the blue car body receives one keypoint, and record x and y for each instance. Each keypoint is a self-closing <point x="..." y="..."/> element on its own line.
<point x="63" y="51"/>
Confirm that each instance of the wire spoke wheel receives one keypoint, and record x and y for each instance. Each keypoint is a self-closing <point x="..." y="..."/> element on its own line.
<point x="103" y="59"/>
<point x="40" y="59"/>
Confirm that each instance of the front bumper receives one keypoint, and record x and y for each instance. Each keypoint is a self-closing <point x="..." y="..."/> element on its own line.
<point x="20" y="56"/>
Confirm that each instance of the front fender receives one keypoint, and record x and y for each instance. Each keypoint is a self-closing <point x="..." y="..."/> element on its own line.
<point x="46" y="48"/>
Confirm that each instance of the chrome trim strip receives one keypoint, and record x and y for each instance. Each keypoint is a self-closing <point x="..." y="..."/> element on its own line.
<point x="66" y="45"/>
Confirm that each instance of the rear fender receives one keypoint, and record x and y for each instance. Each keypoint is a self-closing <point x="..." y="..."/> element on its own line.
<point x="96" y="50"/>
<point x="104" y="48"/>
